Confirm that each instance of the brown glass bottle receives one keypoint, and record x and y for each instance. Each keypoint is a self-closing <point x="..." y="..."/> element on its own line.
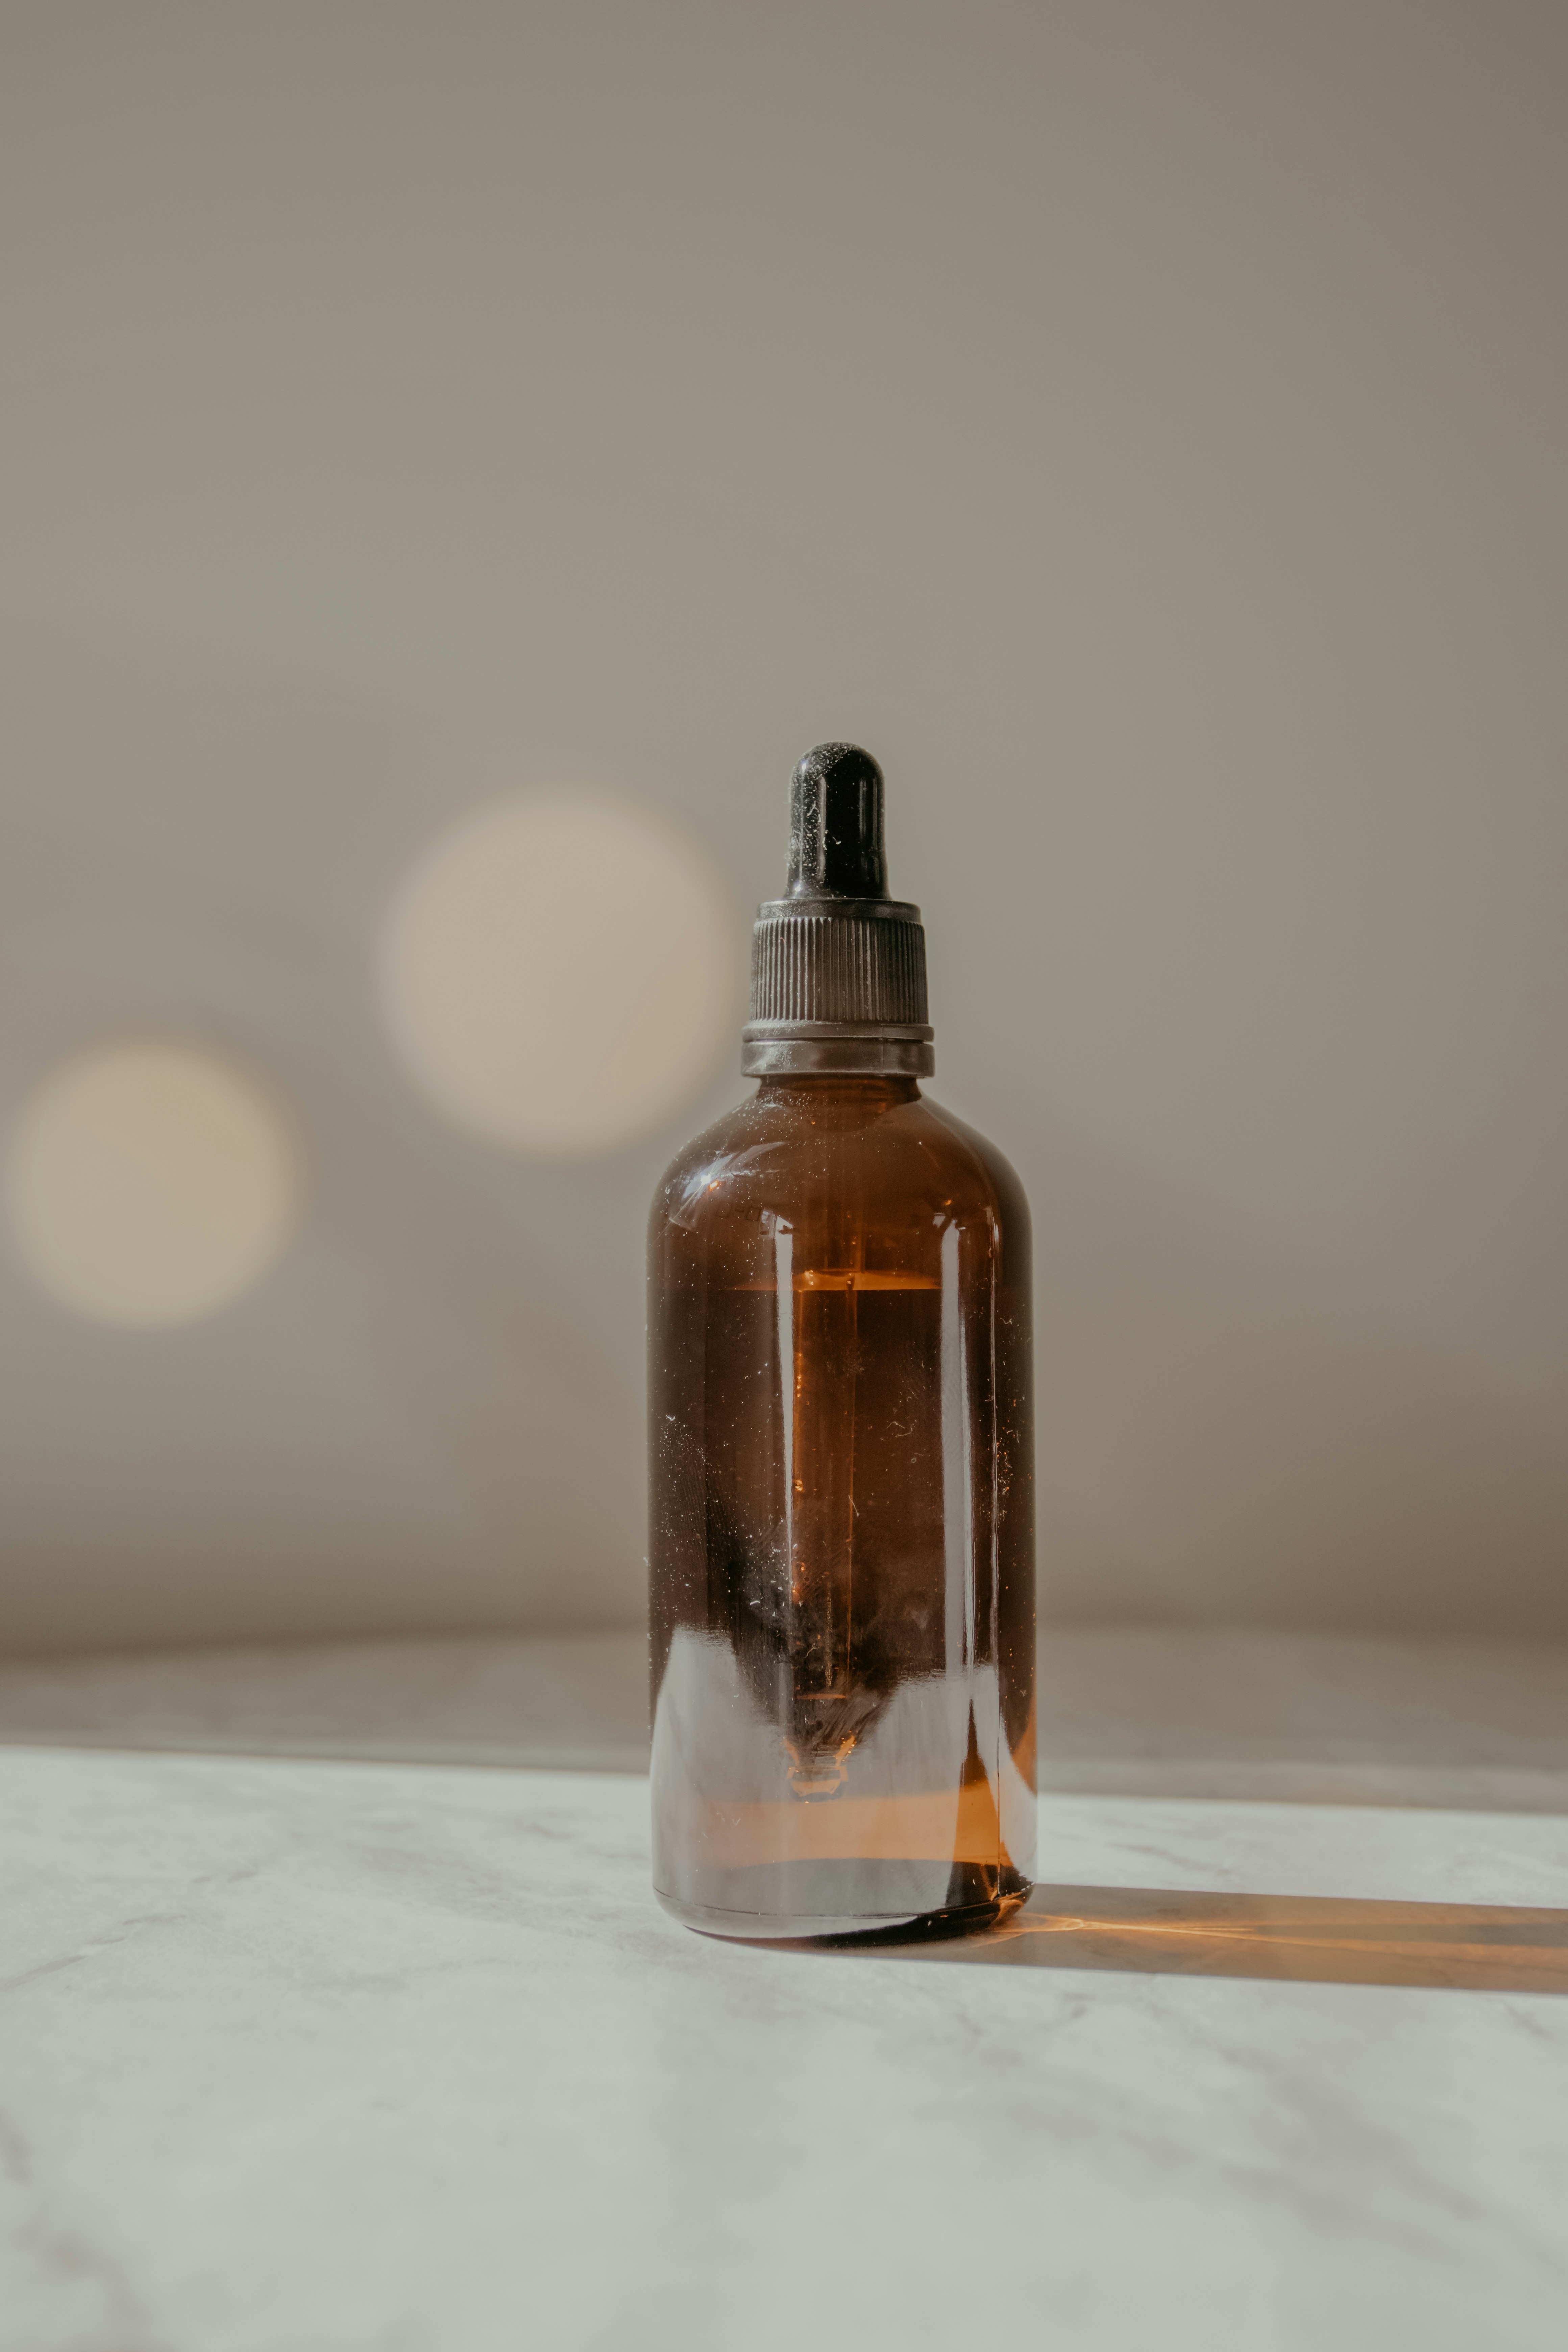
<point x="842" y="1545"/>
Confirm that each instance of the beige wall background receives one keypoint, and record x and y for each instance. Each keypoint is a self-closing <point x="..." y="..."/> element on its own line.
<point x="1144" y="426"/>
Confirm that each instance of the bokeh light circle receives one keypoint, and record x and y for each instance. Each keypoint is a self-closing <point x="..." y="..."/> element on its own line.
<point x="558" y="970"/>
<point x="150" y="1182"/>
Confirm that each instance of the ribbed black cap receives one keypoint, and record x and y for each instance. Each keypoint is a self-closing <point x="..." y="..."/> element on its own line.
<point x="838" y="979"/>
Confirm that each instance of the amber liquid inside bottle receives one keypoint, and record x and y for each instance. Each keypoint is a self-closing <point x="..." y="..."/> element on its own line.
<point x="842" y="1541"/>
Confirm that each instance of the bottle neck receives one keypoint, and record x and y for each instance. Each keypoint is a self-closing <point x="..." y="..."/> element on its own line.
<point x="869" y="1090"/>
<point x="821" y="1049"/>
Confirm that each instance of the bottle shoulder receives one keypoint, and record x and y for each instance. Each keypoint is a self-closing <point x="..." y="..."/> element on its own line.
<point x="1012" y="1201"/>
<point x="773" y="1160"/>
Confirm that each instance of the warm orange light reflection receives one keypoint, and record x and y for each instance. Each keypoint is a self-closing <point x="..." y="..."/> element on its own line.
<point x="939" y="1825"/>
<point x="847" y="1277"/>
<point x="1301" y="1940"/>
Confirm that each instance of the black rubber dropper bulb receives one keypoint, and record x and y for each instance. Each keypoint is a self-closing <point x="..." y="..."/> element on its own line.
<point x="835" y="825"/>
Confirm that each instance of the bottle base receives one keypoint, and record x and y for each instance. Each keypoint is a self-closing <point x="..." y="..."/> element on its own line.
<point x="859" y="1930"/>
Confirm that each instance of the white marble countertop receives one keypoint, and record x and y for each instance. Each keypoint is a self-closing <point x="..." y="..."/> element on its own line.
<point x="331" y="2056"/>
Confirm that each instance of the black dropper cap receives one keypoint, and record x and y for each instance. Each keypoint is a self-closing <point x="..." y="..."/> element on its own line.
<point x="837" y="967"/>
<point x="835" y="825"/>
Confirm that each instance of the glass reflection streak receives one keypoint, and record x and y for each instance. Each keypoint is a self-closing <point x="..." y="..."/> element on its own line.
<point x="842" y="1555"/>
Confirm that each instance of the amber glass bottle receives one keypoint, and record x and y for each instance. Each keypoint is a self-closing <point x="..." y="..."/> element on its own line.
<point x="842" y="1541"/>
